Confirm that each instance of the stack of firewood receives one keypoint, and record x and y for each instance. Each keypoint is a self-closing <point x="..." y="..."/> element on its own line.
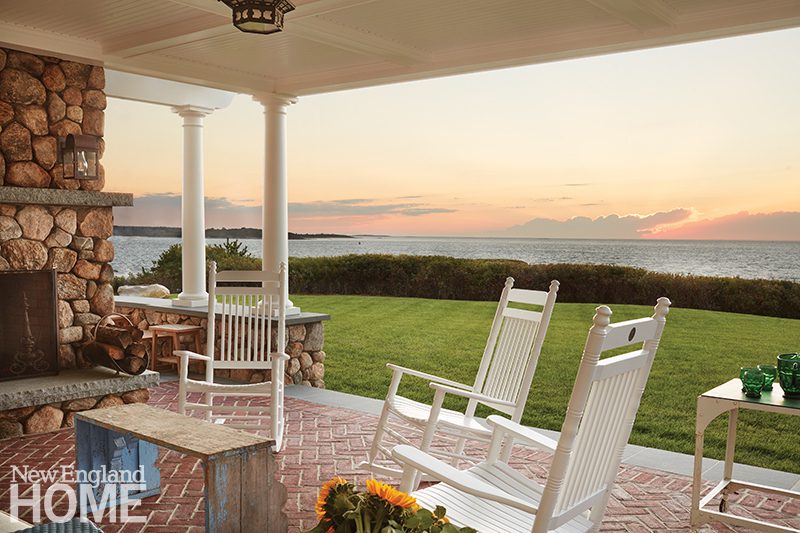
<point x="118" y="346"/>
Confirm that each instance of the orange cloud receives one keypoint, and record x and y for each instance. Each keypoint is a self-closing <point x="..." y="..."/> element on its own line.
<point x="605" y="227"/>
<point x="744" y="226"/>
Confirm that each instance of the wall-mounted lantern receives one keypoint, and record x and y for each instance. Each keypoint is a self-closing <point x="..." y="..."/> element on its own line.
<point x="78" y="154"/>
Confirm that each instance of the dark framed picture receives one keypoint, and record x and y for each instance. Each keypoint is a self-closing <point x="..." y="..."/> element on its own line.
<point x="28" y="324"/>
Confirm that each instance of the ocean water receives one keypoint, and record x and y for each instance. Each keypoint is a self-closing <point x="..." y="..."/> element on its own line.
<point x="746" y="259"/>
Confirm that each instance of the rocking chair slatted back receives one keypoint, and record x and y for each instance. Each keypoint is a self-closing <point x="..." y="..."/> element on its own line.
<point x="512" y="351"/>
<point x="248" y="315"/>
<point x="600" y="416"/>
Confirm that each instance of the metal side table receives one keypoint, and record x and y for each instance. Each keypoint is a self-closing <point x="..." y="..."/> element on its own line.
<point x="729" y="397"/>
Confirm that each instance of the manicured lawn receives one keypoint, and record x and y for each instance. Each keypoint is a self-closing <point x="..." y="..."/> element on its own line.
<point x="699" y="350"/>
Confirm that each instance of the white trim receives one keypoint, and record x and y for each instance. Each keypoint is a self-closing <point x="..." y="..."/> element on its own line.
<point x="38" y="41"/>
<point x="164" y="92"/>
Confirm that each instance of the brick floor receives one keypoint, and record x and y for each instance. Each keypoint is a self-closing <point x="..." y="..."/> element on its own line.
<point x="322" y="441"/>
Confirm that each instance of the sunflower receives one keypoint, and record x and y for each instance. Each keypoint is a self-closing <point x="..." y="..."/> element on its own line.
<point x="391" y="495"/>
<point x="324" y="492"/>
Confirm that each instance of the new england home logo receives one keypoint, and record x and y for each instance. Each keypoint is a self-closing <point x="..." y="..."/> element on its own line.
<point x="63" y="493"/>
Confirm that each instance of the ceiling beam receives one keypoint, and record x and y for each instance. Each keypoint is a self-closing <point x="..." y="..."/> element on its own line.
<point x="641" y="14"/>
<point x="171" y="38"/>
<point x="170" y="68"/>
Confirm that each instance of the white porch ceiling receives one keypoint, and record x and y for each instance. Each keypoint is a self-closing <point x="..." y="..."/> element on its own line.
<point x="339" y="44"/>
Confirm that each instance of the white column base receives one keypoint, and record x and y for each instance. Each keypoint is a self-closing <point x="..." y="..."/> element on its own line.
<point x="291" y="310"/>
<point x="190" y="300"/>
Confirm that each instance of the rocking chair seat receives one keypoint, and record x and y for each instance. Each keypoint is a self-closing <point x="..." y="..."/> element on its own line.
<point x="481" y="513"/>
<point x="420" y="413"/>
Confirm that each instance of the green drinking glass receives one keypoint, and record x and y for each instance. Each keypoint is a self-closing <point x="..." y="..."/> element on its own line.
<point x="770" y="373"/>
<point x="789" y="374"/>
<point x="753" y="382"/>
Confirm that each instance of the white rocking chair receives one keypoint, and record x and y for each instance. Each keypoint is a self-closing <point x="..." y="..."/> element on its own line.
<point x="502" y="383"/>
<point x="252" y="331"/>
<point x="493" y="497"/>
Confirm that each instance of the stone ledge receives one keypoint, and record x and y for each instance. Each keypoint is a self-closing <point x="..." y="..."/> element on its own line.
<point x="71" y="385"/>
<point x="163" y="305"/>
<point x="63" y="197"/>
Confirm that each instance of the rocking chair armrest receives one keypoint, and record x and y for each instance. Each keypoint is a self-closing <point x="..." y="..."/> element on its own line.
<point x="503" y="425"/>
<point x="461" y="480"/>
<point x="426" y="376"/>
<point x="280" y="355"/>
<point x="191" y="355"/>
<point x="471" y="395"/>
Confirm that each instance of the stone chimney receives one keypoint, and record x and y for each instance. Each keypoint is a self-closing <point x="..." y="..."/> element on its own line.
<point x="47" y="221"/>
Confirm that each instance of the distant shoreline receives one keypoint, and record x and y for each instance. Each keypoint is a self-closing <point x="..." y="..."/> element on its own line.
<point x="215" y="233"/>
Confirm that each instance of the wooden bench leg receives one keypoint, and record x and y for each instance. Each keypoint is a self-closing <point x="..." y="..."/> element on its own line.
<point x="242" y="494"/>
<point x="96" y="447"/>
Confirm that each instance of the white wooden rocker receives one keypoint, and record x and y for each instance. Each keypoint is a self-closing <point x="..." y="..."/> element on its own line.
<point x="493" y="497"/>
<point x="502" y="383"/>
<point x="249" y="315"/>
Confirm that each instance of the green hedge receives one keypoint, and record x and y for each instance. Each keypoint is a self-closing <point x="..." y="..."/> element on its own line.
<point x="482" y="279"/>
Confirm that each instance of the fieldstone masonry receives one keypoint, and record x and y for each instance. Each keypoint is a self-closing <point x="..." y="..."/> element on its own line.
<point x="42" y="99"/>
<point x="53" y="416"/>
<point x="304" y="345"/>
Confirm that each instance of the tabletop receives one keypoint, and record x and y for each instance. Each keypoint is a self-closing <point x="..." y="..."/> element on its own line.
<point x="732" y="390"/>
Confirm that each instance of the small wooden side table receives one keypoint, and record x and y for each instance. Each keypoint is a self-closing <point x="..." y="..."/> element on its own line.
<point x="174" y="332"/>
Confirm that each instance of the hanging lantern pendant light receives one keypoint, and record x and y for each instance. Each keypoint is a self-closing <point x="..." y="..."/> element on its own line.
<point x="259" y="16"/>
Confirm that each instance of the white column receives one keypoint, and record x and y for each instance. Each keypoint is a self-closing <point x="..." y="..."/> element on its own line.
<point x="193" y="217"/>
<point x="275" y="226"/>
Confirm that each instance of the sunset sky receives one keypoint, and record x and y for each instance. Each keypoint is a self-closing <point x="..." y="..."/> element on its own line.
<point x="690" y="141"/>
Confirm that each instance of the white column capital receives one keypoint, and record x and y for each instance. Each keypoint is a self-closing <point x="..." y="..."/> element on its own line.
<point x="191" y="111"/>
<point x="275" y="100"/>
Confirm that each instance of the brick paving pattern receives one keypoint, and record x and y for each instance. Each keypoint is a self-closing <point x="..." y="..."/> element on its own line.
<point x="322" y="441"/>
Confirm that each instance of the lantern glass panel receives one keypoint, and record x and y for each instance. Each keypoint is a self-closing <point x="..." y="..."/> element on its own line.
<point x="69" y="163"/>
<point x="91" y="164"/>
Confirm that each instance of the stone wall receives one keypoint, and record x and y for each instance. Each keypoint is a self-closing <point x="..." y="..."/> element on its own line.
<point x="42" y="99"/>
<point x="50" y="417"/>
<point x="304" y="346"/>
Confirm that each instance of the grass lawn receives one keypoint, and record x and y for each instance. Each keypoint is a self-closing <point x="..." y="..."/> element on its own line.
<point x="699" y="350"/>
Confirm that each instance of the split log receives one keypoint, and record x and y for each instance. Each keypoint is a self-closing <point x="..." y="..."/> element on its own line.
<point x="134" y="364"/>
<point x="138" y="349"/>
<point x="114" y="335"/>
<point x="114" y="352"/>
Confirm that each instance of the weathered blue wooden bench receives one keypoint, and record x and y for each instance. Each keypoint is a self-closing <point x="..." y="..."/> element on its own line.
<point x="241" y="493"/>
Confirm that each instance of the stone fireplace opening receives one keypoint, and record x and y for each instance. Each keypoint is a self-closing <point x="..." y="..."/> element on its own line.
<point x="28" y="324"/>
